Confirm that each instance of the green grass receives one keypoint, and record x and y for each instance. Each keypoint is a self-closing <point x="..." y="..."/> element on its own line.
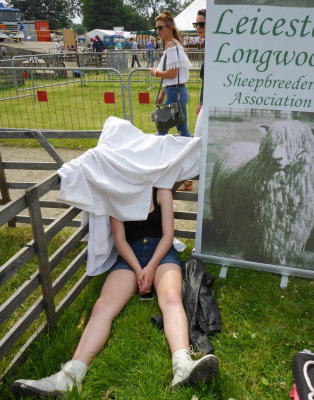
<point x="73" y="106"/>
<point x="263" y="327"/>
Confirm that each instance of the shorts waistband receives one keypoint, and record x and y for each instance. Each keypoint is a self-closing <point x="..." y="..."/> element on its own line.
<point x="180" y="85"/>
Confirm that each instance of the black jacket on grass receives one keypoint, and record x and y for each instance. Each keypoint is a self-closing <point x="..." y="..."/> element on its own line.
<point x="199" y="303"/>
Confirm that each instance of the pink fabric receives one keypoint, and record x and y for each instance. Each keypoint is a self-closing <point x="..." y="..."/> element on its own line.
<point x="294" y="393"/>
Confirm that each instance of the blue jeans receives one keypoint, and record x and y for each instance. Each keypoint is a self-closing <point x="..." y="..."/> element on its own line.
<point x="171" y="93"/>
<point x="144" y="250"/>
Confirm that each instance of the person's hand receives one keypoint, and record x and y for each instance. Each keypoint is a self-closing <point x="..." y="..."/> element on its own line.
<point x="152" y="71"/>
<point x="139" y="278"/>
<point x="198" y="109"/>
<point x="160" y="99"/>
<point x="147" y="279"/>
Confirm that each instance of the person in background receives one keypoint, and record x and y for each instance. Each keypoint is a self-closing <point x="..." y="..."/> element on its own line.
<point x="150" y="51"/>
<point x="147" y="257"/>
<point x="200" y="25"/>
<point x="134" y="48"/>
<point x="59" y="46"/>
<point x="177" y="65"/>
<point x="101" y="43"/>
<point x="118" y="45"/>
<point x="96" y="47"/>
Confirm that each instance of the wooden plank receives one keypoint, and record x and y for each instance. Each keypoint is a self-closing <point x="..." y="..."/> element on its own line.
<point x="73" y="293"/>
<point x="20" y="327"/>
<point x="185" y="196"/>
<point x="21" y="185"/>
<point x="20" y="358"/>
<point x="10" y="133"/>
<point x="67" y="274"/>
<point x="7" y="308"/>
<point x="184" y="215"/>
<point x="53" y="204"/>
<point x="10" y="210"/>
<point x="5" y="191"/>
<point x="14" y="264"/>
<point x="40" y="244"/>
<point x="68" y="246"/>
<point x="51" y="183"/>
<point x="42" y="166"/>
<point x="48" y="147"/>
<point x="184" y="234"/>
<point x="23" y="219"/>
<point x="14" y="301"/>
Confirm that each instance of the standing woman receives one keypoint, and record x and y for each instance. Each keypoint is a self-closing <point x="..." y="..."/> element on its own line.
<point x="177" y="62"/>
<point x="199" y="25"/>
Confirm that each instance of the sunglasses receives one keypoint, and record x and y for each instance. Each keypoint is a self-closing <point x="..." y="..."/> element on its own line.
<point x="200" y="24"/>
<point x="159" y="28"/>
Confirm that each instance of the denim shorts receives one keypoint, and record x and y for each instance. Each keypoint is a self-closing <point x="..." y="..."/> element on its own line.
<point x="144" y="250"/>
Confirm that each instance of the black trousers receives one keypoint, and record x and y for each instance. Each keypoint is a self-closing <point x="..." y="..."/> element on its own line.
<point x="135" y="58"/>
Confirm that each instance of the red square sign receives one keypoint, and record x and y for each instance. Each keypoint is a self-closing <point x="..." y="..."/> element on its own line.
<point x="109" y="97"/>
<point x="42" y="95"/>
<point x="143" y="98"/>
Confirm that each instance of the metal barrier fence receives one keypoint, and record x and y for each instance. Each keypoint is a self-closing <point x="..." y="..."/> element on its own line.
<point x="80" y="98"/>
<point x="79" y="91"/>
<point x="60" y="98"/>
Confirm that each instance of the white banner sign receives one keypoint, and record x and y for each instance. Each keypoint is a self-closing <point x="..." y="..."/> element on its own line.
<point x="261" y="56"/>
<point x="256" y="196"/>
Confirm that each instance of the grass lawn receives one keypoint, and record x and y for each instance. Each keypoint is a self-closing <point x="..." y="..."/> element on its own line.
<point x="263" y="327"/>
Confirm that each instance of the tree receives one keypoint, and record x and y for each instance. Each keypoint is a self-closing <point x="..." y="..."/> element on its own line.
<point x="57" y="12"/>
<point x="78" y="28"/>
<point x="106" y="14"/>
<point x="151" y="8"/>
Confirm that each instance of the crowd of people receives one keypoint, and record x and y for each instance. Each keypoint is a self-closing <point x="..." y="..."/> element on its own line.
<point x="147" y="258"/>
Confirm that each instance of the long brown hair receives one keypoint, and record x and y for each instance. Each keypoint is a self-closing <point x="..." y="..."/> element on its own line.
<point x="167" y="18"/>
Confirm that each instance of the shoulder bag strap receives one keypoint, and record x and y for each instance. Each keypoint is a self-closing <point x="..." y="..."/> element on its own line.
<point x="163" y="68"/>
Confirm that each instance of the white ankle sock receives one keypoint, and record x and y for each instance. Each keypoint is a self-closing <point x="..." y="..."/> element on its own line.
<point x="77" y="368"/>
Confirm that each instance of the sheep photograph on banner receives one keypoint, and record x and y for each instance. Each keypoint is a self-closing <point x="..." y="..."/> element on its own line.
<point x="256" y="197"/>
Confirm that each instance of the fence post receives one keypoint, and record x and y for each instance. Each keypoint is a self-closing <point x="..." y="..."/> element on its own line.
<point x="40" y="244"/>
<point x="5" y="191"/>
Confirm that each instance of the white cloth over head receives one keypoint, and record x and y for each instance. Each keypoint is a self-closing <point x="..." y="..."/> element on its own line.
<point x="116" y="178"/>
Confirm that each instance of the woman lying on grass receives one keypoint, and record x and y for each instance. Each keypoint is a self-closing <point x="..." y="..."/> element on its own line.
<point x="147" y="258"/>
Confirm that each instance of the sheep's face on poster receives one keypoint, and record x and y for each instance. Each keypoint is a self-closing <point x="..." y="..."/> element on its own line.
<point x="256" y="201"/>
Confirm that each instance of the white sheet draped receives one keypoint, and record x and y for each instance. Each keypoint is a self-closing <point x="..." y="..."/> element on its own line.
<point x="116" y="177"/>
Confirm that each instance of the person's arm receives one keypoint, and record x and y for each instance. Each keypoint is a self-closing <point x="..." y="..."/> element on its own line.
<point x="169" y="74"/>
<point x="164" y="199"/>
<point x="161" y="96"/>
<point x="125" y="249"/>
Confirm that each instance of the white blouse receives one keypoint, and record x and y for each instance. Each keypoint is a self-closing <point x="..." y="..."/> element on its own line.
<point x="172" y="61"/>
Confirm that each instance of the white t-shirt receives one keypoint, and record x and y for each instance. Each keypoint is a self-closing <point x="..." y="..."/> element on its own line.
<point x="58" y="47"/>
<point x="175" y="59"/>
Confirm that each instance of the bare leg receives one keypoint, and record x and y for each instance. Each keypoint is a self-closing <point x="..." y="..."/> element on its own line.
<point x="118" y="288"/>
<point x="168" y="285"/>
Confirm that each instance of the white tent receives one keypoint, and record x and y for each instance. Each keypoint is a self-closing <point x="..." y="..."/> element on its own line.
<point x="102" y="32"/>
<point x="186" y="17"/>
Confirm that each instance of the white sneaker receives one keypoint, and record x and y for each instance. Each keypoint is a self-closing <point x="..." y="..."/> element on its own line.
<point x="55" y="385"/>
<point x="189" y="372"/>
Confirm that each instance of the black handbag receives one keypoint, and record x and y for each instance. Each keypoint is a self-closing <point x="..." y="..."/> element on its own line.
<point x="167" y="116"/>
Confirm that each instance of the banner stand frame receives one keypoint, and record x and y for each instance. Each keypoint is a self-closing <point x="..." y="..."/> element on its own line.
<point x="284" y="271"/>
